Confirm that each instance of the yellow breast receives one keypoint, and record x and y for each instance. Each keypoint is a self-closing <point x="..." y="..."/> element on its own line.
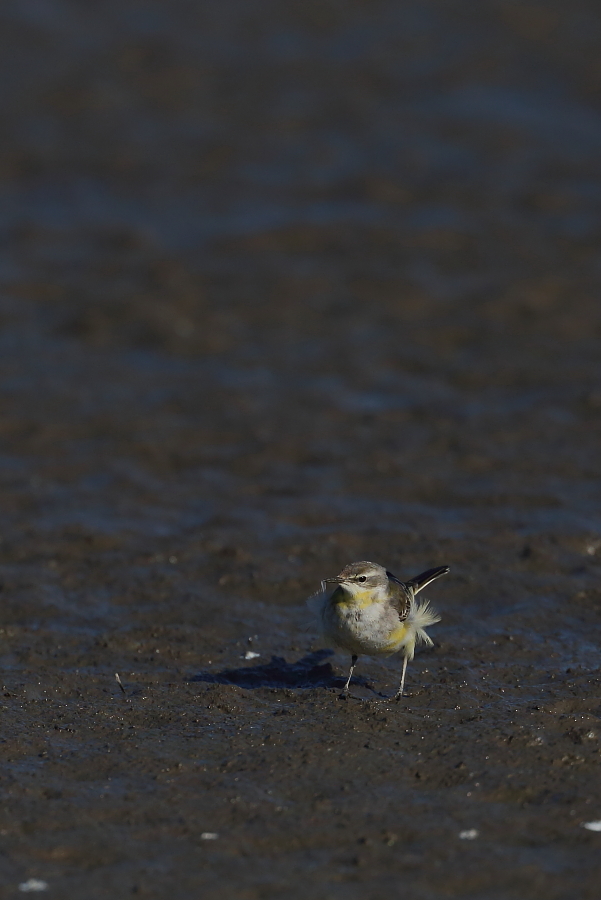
<point x="358" y="600"/>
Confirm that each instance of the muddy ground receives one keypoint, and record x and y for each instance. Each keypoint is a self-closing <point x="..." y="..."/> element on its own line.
<point x="287" y="285"/>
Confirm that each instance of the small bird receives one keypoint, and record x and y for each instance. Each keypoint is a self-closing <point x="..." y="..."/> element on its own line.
<point x="371" y="612"/>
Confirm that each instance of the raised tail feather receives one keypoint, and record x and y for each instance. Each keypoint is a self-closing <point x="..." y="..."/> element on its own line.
<point x="421" y="581"/>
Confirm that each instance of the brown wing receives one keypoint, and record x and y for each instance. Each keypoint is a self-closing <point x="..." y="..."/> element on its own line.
<point x="400" y="595"/>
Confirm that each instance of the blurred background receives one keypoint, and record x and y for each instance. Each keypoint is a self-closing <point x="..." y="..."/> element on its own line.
<point x="341" y="254"/>
<point x="284" y="285"/>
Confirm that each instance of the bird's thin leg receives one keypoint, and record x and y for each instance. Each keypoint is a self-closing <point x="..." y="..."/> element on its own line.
<point x="399" y="693"/>
<point x="345" y="689"/>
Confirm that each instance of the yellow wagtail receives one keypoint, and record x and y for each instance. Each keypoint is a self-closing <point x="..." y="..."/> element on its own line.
<point x="372" y="613"/>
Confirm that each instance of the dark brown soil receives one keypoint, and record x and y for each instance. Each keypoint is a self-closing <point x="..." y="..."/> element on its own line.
<point x="287" y="285"/>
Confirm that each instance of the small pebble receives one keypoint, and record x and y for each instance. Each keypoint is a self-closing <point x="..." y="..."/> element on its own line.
<point x="209" y="836"/>
<point x="592" y="826"/>
<point x="250" y="654"/>
<point x="470" y="835"/>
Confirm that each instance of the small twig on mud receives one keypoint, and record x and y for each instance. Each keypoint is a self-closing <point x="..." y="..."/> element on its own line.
<point x="119" y="682"/>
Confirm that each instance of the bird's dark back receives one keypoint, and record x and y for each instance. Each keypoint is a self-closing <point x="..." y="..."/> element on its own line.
<point x="401" y="596"/>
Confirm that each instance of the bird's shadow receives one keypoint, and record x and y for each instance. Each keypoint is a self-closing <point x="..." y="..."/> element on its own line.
<point x="308" y="672"/>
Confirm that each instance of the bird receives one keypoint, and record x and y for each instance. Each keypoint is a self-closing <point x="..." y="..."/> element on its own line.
<point x="373" y="613"/>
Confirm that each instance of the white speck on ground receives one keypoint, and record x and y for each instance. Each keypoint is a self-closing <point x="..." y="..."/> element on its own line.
<point x="209" y="836"/>
<point x="32" y="885"/>
<point x="469" y="835"/>
<point x="592" y="826"/>
<point x="250" y="654"/>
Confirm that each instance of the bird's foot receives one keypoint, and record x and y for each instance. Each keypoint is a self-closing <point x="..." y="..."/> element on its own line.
<point x="395" y="698"/>
<point x="346" y="695"/>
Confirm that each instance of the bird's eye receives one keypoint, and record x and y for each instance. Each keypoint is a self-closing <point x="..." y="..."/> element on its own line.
<point x="361" y="578"/>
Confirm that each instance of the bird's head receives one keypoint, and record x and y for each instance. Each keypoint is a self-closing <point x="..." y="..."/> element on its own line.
<point x="362" y="576"/>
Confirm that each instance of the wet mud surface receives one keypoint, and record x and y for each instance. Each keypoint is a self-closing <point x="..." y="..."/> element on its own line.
<point x="285" y="286"/>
